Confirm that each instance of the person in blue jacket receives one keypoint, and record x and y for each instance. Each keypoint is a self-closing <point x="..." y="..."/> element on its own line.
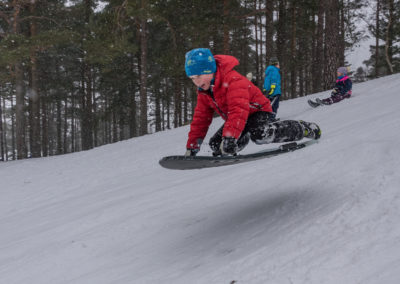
<point x="272" y="84"/>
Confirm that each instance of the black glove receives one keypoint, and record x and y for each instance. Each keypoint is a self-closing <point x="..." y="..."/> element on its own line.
<point x="229" y="145"/>
<point x="191" y="152"/>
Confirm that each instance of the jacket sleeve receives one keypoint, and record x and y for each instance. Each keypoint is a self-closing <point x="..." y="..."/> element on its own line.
<point x="348" y="86"/>
<point x="267" y="80"/>
<point x="344" y="87"/>
<point x="238" y="108"/>
<point x="272" y="80"/>
<point x="275" y="77"/>
<point x="203" y="115"/>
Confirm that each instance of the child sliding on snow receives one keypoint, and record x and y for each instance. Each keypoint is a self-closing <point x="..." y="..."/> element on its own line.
<point x="247" y="113"/>
<point x="342" y="89"/>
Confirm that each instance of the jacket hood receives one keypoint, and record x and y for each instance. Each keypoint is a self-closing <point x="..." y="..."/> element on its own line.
<point x="226" y="63"/>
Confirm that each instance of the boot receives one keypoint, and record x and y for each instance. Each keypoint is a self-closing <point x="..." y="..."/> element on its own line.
<point x="311" y="130"/>
<point x="323" y="102"/>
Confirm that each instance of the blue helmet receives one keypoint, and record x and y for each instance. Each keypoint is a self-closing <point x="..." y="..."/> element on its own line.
<point x="200" y="61"/>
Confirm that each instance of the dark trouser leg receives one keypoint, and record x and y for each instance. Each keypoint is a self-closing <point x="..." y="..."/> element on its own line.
<point x="275" y="104"/>
<point x="327" y="101"/>
<point x="337" y="98"/>
<point x="216" y="139"/>
<point x="262" y="131"/>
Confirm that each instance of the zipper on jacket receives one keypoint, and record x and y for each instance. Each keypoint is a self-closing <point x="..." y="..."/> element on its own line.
<point x="215" y="103"/>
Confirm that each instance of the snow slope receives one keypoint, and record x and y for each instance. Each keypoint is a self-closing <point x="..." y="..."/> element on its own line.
<point x="326" y="214"/>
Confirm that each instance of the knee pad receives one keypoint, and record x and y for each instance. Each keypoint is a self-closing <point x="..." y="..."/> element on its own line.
<point x="264" y="134"/>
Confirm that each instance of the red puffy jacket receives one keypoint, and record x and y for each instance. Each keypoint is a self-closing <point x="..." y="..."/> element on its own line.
<point x="232" y="96"/>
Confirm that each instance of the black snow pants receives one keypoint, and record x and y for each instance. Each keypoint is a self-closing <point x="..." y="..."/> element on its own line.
<point x="261" y="130"/>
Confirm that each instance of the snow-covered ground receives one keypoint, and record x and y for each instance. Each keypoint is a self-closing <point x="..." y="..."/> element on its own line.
<point x="328" y="213"/>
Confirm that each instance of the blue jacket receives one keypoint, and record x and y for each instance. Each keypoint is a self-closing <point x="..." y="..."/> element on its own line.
<point x="272" y="78"/>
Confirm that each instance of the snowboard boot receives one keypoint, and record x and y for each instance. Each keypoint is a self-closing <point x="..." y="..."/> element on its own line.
<point x="311" y="130"/>
<point x="313" y="104"/>
<point x="322" y="102"/>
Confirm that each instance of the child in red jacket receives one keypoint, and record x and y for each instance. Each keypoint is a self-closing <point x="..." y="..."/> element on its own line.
<point x="246" y="111"/>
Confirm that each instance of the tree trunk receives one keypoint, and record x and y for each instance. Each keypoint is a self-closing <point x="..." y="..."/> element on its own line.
<point x="19" y="92"/>
<point x="261" y="42"/>
<point x="133" y="122"/>
<point x="73" y="128"/>
<point x="121" y="123"/>
<point x="377" y="38"/>
<point x="293" y="66"/>
<point x="157" y="108"/>
<point x="34" y="100"/>
<point x="114" y="127"/>
<point x="269" y="29"/>
<point x="86" y="88"/>
<point x="331" y="44"/>
<point x="13" y="142"/>
<point x="185" y="104"/>
<point x="65" y="136"/>
<point x="5" y="130"/>
<point x="143" y="74"/>
<point x="34" y="93"/>
<point x="226" y="27"/>
<point x="133" y="129"/>
<point x="1" y="132"/>
<point x="84" y="110"/>
<point x="341" y="50"/>
<point x="95" y="121"/>
<point x="168" y="109"/>
<point x="389" y="39"/>
<point x="318" y="64"/>
<point x="89" y="107"/>
<point x="106" y="126"/>
<point x="51" y="126"/>
<point x="45" y="128"/>
<point x="20" y="113"/>
<point x="177" y="103"/>
<point x="59" y="148"/>
<point x="256" y="42"/>
<point x="281" y="44"/>
<point x="302" y="73"/>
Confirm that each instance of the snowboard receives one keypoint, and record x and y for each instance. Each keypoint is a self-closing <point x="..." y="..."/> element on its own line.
<point x="200" y="162"/>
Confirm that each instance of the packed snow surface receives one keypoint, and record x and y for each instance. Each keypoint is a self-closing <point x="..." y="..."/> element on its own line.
<point x="328" y="213"/>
